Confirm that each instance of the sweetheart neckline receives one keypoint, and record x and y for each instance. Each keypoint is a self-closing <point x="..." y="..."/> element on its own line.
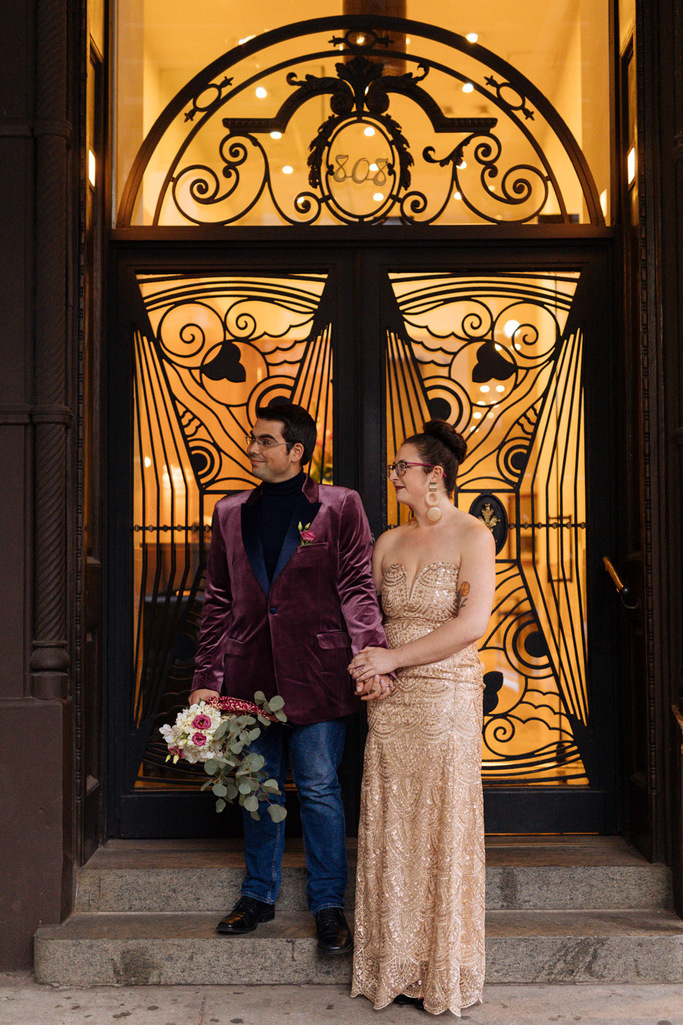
<point x="427" y="565"/>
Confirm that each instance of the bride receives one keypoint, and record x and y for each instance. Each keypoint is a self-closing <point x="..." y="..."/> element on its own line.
<point x="419" y="933"/>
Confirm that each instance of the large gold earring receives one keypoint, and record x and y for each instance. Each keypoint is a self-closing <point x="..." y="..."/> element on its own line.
<point x="432" y="499"/>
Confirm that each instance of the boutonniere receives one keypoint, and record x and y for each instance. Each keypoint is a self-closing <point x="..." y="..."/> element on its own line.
<point x="305" y="535"/>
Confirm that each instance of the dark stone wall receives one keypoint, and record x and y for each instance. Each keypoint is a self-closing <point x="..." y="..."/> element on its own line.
<point x="38" y="261"/>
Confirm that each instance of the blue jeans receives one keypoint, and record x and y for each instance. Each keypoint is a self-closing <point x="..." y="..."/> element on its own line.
<point x="314" y="754"/>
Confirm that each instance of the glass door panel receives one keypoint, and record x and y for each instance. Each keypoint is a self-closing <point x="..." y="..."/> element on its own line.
<point x="501" y="356"/>
<point x="216" y="348"/>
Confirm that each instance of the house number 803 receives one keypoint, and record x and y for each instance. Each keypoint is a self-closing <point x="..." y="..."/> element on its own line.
<point x="362" y="171"/>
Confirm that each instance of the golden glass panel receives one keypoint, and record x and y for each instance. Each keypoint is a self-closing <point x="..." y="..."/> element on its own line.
<point x="498" y="357"/>
<point x="563" y="49"/>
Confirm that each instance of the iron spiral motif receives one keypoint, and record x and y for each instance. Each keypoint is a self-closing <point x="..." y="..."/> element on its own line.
<point x="379" y="154"/>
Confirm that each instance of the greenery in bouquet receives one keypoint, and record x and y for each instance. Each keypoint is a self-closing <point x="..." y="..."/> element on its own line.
<point x="218" y="734"/>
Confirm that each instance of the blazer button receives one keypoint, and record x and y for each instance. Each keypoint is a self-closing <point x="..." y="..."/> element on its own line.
<point x="273" y="611"/>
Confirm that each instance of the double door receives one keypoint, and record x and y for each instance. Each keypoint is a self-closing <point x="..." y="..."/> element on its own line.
<point x="510" y="344"/>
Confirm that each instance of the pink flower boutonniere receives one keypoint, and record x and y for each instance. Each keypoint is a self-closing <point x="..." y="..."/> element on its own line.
<point x="306" y="535"/>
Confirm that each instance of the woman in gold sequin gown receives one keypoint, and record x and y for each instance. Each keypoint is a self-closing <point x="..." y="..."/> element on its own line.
<point x="419" y="929"/>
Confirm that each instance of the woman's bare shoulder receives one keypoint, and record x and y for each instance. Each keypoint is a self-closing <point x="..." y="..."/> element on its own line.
<point x="391" y="539"/>
<point x="474" y="532"/>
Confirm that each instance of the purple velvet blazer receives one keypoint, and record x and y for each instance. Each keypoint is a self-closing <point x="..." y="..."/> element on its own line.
<point x="295" y="636"/>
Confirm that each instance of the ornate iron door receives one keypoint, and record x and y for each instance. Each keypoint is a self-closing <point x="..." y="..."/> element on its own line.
<point x="372" y="342"/>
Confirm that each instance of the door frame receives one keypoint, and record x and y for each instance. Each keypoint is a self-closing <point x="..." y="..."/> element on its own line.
<point x="540" y="808"/>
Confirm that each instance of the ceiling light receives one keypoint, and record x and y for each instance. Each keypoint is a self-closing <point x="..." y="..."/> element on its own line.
<point x="261" y="92"/>
<point x="484" y="388"/>
<point x="477" y="416"/>
<point x="287" y="169"/>
<point x="462" y="165"/>
<point x="276" y="135"/>
<point x="471" y="37"/>
<point x="148" y="461"/>
<point x="457" y="195"/>
<point x="500" y="387"/>
<point x="91" y="167"/>
<point x="510" y="328"/>
<point x="468" y="87"/>
<point x="378" y="197"/>
<point x="373" y="167"/>
<point x="369" y="130"/>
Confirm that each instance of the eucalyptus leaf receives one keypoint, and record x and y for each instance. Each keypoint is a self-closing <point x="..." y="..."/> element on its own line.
<point x="211" y="766"/>
<point x="244" y="786"/>
<point x="220" y="790"/>
<point x="259" y="697"/>
<point x="220" y="730"/>
<point x="276" y="702"/>
<point x="280" y="716"/>
<point x="220" y="804"/>
<point x="271" y="785"/>
<point x="232" y="791"/>
<point x="277" y="812"/>
<point x="255" y="815"/>
<point x="257" y="762"/>
<point x="236" y="747"/>
<point x="251" y="803"/>
<point x="253" y="735"/>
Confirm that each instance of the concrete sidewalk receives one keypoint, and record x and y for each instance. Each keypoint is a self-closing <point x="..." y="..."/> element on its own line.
<point x="23" y="1002"/>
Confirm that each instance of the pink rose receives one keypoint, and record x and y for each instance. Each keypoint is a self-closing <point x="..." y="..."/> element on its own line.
<point x="307" y="536"/>
<point x="198" y="740"/>
<point x="201" y="722"/>
<point x="177" y="751"/>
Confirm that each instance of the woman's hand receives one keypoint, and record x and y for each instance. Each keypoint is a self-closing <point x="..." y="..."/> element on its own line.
<point x="372" y="662"/>
<point x="377" y="688"/>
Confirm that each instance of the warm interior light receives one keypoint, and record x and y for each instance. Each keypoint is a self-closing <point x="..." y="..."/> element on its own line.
<point x="245" y="39"/>
<point x="477" y="415"/>
<point x="369" y="130"/>
<point x="468" y="87"/>
<point x="457" y="195"/>
<point x="373" y="167"/>
<point x="378" y="197"/>
<point x="91" y="167"/>
<point x="360" y="40"/>
<point x="462" y="165"/>
<point x="471" y="37"/>
<point x="603" y="202"/>
<point x="510" y="328"/>
<point x="148" y="462"/>
<point x="261" y="92"/>
<point x="287" y="169"/>
<point x="500" y="387"/>
<point x="484" y="388"/>
<point x="631" y="164"/>
<point x="276" y="135"/>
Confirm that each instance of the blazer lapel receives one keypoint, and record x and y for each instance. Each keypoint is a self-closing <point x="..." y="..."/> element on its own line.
<point x="305" y="512"/>
<point x="251" y="539"/>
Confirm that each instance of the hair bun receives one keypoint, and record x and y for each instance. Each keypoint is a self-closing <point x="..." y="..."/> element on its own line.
<point x="448" y="436"/>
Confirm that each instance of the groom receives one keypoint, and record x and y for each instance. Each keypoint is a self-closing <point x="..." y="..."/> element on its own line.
<point x="289" y="595"/>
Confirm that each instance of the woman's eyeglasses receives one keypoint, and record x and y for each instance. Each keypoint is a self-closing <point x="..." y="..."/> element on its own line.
<point x="402" y="465"/>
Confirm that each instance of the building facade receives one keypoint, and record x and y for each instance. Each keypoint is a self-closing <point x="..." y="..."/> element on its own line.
<point x="386" y="216"/>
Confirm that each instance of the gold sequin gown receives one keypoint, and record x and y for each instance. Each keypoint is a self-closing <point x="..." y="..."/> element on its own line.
<point x="419" y="926"/>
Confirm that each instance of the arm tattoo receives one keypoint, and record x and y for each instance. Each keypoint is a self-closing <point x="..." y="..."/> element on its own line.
<point x="461" y="597"/>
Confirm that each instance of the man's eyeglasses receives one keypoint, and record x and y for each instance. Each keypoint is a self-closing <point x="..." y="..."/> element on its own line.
<point x="402" y="465"/>
<point x="263" y="442"/>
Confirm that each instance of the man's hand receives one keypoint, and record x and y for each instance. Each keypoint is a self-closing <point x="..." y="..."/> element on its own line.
<point x="202" y="694"/>
<point x="376" y="688"/>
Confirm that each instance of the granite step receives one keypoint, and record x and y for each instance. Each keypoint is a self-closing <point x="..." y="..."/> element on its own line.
<point x="582" y="873"/>
<point x="521" y="947"/>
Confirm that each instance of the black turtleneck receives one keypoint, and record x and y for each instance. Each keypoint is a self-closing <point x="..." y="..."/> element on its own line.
<point x="276" y="508"/>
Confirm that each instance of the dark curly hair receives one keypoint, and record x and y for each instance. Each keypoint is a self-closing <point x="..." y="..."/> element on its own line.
<point x="441" y="445"/>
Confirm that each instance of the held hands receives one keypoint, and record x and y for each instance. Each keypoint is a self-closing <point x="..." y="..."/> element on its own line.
<point x="371" y="662"/>
<point x="376" y="688"/>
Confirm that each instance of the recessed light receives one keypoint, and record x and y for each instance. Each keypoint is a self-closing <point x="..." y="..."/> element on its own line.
<point x="484" y="388"/>
<point x="369" y="130"/>
<point x="468" y="87"/>
<point x="471" y="37"/>
<point x="457" y="195"/>
<point x="500" y="387"/>
<point x="276" y="135"/>
<point x="378" y="197"/>
<point x="261" y="92"/>
<point x="287" y="169"/>
<point x="510" y="328"/>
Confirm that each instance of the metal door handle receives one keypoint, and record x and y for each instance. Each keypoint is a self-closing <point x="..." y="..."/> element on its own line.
<point x="623" y="590"/>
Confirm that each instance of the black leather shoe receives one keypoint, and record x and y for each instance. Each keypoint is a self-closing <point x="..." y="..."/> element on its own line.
<point x="334" y="934"/>
<point x="245" y="916"/>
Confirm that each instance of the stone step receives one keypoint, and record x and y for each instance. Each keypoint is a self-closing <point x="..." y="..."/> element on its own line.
<point x="521" y="947"/>
<point x="162" y="876"/>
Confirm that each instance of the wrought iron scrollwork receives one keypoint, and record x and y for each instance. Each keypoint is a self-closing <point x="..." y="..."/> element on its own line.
<point x="495" y="168"/>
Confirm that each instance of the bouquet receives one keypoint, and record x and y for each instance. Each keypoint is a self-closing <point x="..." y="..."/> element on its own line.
<point x="218" y="734"/>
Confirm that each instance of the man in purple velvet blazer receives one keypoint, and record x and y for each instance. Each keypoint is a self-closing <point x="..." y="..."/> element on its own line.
<point x="284" y="617"/>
